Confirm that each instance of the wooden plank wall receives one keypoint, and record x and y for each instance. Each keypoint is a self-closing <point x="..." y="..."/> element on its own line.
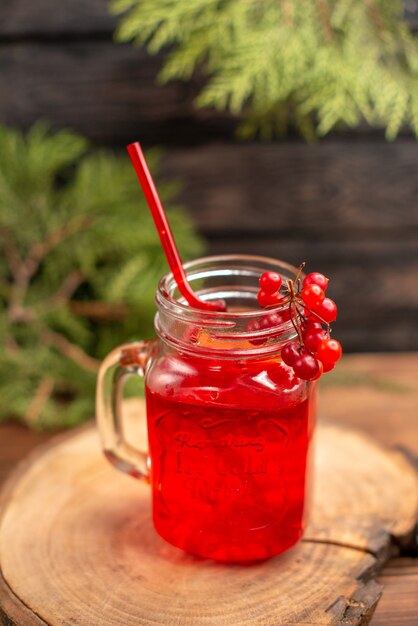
<point x="347" y="204"/>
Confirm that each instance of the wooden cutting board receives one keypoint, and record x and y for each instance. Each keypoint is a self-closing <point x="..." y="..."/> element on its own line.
<point x="77" y="546"/>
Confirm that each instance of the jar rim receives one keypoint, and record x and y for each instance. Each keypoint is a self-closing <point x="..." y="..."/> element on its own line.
<point x="167" y="285"/>
<point x="225" y="326"/>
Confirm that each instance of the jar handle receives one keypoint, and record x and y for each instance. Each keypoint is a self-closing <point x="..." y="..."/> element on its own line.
<point x="127" y="360"/>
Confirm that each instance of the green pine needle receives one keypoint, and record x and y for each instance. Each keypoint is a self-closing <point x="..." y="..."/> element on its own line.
<point x="79" y="264"/>
<point x="316" y="65"/>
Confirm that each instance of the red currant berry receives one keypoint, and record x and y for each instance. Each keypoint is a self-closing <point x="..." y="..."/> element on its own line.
<point x="272" y="319"/>
<point x="313" y="338"/>
<point x="263" y="298"/>
<point x="270" y="282"/>
<point x="313" y="325"/>
<point x="290" y="352"/>
<point x="315" y="278"/>
<point x="310" y="325"/>
<point x="329" y="351"/>
<point x="254" y="327"/>
<point x="276" y="299"/>
<point x="328" y="366"/>
<point x="285" y="315"/>
<point x="320" y="371"/>
<point x="312" y="296"/>
<point x="327" y="310"/>
<point x="306" y="367"/>
<point x="268" y="299"/>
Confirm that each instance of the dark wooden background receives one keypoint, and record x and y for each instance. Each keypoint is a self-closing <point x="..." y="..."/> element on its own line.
<point x="347" y="204"/>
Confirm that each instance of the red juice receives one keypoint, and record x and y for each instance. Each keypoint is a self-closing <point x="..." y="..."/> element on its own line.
<point x="229" y="443"/>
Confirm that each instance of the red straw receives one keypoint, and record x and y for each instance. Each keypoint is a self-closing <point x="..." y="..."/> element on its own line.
<point x="164" y="231"/>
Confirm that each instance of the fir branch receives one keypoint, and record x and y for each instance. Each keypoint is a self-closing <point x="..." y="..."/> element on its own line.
<point x="11" y="346"/>
<point x="325" y="15"/>
<point x="375" y="15"/>
<point x="66" y="290"/>
<point x="40" y="249"/>
<point x="70" y="350"/>
<point x="288" y="14"/>
<point x="27" y="268"/>
<point x="11" y="254"/>
<point x="42" y="395"/>
<point x="95" y="310"/>
<point x="315" y="65"/>
<point x="79" y="264"/>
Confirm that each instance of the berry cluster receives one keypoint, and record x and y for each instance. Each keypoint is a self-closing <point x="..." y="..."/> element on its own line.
<point x="309" y="310"/>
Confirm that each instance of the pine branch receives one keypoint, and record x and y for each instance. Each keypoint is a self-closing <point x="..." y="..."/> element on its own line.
<point x="375" y="15"/>
<point x="24" y="270"/>
<point x="11" y="254"/>
<point x="11" y="346"/>
<point x="316" y="65"/>
<point x="66" y="290"/>
<point x="325" y="15"/>
<point x="42" y="395"/>
<point x="79" y="264"/>
<point x="40" y="249"/>
<point x="95" y="310"/>
<point x="288" y="14"/>
<point x="70" y="350"/>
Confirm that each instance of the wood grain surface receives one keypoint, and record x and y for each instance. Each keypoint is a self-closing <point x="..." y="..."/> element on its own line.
<point x="105" y="91"/>
<point x="71" y="18"/>
<point x="98" y="559"/>
<point x="376" y="393"/>
<point x="25" y="17"/>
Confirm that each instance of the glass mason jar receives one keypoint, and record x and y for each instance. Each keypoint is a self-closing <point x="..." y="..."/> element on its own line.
<point x="229" y="423"/>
